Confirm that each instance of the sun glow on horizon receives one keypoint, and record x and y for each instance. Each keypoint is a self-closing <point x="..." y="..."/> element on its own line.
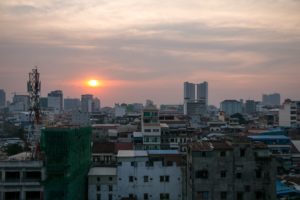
<point x="93" y="83"/>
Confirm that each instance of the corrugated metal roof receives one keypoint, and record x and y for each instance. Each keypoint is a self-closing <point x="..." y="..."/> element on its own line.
<point x="164" y="152"/>
<point x="103" y="171"/>
<point x="268" y="137"/>
<point x="132" y="153"/>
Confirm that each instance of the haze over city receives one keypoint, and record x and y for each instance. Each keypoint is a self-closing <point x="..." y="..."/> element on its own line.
<point x="146" y="49"/>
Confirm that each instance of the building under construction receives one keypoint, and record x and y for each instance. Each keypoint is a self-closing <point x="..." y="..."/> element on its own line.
<point x="67" y="154"/>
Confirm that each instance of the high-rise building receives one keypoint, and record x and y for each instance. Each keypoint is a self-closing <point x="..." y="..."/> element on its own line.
<point x="202" y="92"/>
<point x="195" y="99"/>
<point x="2" y="98"/>
<point x="55" y="100"/>
<point x="271" y="99"/>
<point x="189" y="91"/>
<point x="43" y="103"/>
<point x="71" y="104"/>
<point x="231" y="107"/>
<point x="87" y="103"/>
<point x="96" y="105"/>
<point x="250" y="106"/>
<point x="20" y="103"/>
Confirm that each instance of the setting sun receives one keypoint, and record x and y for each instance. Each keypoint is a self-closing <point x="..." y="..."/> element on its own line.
<point x="93" y="83"/>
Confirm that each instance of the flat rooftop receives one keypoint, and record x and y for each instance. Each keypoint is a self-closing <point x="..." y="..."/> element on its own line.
<point x="103" y="171"/>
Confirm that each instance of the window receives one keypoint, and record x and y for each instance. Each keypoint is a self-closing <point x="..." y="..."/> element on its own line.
<point x="242" y="152"/>
<point x="133" y="163"/>
<point x="148" y="130"/>
<point x="110" y="178"/>
<point x="155" y="130"/>
<point x="131" y="196"/>
<point x="203" y="195"/>
<point x="130" y="178"/>
<point x="258" y="173"/>
<point x="169" y="163"/>
<point x="203" y="154"/>
<point x="98" y="196"/>
<point x="238" y="175"/>
<point x="146" y="178"/>
<point x="98" y="188"/>
<point x="202" y="174"/>
<point x="164" y="178"/>
<point x="98" y="179"/>
<point x="223" y="174"/>
<point x="146" y="196"/>
<point x="223" y="195"/>
<point x="109" y="196"/>
<point x="110" y="188"/>
<point x="259" y="195"/>
<point x="239" y="196"/>
<point x="247" y="188"/>
<point x="223" y="153"/>
<point x="164" y="196"/>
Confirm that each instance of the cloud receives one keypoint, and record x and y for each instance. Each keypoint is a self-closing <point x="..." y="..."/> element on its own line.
<point x="133" y="44"/>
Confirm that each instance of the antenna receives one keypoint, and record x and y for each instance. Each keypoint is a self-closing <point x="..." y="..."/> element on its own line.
<point x="34" y="90"/>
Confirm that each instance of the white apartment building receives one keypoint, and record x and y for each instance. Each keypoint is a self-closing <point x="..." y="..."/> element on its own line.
<point x="141" y="178"/>
<point x="289" y="114"/>
<point x="102" y="183"/>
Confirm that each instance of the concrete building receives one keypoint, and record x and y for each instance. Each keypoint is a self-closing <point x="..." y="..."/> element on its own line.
<point x="202" y="92"/>
<point x="250" y="106"/>
<point x="87" y="103"/>
<point x="55" y="101"/>
<point x="289" y="114"/>
<point x="231" y="107"/>
<point x="21" y="179"/>
<point x="102" y="183"/>
<point x="71" y="104"/>
<point x="20" y="103"/>
<point x="151" y="129"/>
<point x="96" y="105"/>
<point x="2" y="98"/>
<point x="43" y="103"/>
<point x="141" y="175"/>
<point x="195" y="107"/>
<point x="189" y="91"/>
<point x="271" y="99"/>
<point x="120" y="110"/>
<point x="231" y="169"/>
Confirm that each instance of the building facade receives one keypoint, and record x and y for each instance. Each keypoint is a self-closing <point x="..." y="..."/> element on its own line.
<point x="289" y="114"/>
<point x="226" y="170"/>
<point x="231" y="107"/>
<point x="271" y="99"/>
<point x="2" y="98"/>
<point x="55" y="101"/>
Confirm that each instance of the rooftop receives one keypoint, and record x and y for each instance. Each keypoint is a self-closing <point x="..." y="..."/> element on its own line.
<point x="102" y="171"/>
<point x="270" y="137"/>
<point x="132" y="153"/>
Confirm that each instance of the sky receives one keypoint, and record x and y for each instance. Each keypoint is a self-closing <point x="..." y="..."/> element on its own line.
<point x="146" y="49"/>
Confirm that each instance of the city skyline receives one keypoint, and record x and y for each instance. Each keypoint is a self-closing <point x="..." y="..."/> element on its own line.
<point x="146" y="50"/>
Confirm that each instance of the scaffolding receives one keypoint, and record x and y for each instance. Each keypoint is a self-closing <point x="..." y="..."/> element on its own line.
<point x="67" y="159"/>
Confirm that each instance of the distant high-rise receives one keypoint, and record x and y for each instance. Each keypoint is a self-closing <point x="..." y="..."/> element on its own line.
<point x="96" y="105"/>
<point x="87" y="103"/>
<point x="231" y="107"/>
<point x="71" y="104"/>
<point x="195" y="99"/>
<point x="189" y="91"/>
<point x="55" y="100"/>
<point x="2" y="98"/>
<point x="43" y="103"/>
<point x="250" y="106"/>
<point x="271" y="99"/>
<point x="202" y="91"/>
